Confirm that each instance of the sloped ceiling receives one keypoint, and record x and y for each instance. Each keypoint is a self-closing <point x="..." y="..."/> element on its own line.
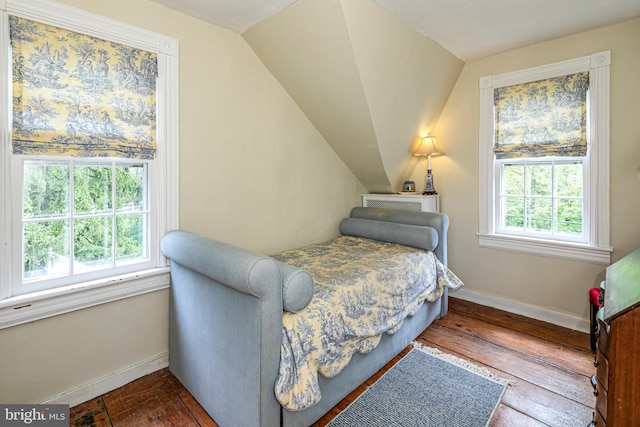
<point x="366" y="81"/>
<point x="368" y="73"/>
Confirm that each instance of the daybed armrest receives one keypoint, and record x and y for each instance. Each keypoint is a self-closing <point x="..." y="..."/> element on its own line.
<point x="225" y="327"/>
<point x="243" y="270"/>
<point x="246" y="271"/>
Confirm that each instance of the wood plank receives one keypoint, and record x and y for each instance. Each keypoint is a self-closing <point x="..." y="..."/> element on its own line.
<point x="202" y="417"/>
<point x="148" y="401"/>
<point x="508" y="417"/>
<point x="533" y="327"/>
<point x="91" y="413"/>
<point x="558" y="355"/>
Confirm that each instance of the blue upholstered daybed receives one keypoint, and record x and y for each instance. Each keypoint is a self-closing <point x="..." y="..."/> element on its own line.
<point x="254" y="337"/>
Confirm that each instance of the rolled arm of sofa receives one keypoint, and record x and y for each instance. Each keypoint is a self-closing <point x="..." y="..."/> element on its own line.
<point x="244" y="270"/>
<point x="225" y="327"/>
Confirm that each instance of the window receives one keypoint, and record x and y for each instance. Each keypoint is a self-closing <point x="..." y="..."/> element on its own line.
<point x="544" y="156"/>
<point x="542" y="199"/>
<point x="89" y="160"/>
<point x="81" y="219"/>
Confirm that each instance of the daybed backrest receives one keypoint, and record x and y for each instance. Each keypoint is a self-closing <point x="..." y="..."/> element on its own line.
<point x="439" y="221"/>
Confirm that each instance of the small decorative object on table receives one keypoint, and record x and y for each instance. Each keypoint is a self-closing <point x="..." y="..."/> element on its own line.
<point x="409" y="187"/>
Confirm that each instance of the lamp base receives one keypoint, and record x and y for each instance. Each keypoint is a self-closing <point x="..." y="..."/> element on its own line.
<point x="429" y="189"/>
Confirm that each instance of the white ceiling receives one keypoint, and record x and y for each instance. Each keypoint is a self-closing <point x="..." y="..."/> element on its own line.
<point x="469" y="29"/>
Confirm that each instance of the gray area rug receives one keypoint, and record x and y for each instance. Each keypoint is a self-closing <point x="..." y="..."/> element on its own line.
<point x="427" y="388"/>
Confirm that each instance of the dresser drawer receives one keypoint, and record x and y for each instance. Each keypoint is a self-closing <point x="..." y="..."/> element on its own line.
<point x="602" y="372"/>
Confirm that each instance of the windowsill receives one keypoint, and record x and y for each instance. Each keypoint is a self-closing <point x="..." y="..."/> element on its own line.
<point x="548" y="248"/>
<point x="41" y="305"/>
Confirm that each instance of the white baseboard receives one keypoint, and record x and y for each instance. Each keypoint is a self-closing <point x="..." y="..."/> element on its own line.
<point x="539" y="313"/>
<point x="110" y="382"/>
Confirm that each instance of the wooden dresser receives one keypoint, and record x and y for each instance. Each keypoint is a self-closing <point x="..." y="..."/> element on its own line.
<point x="617" y="379"/>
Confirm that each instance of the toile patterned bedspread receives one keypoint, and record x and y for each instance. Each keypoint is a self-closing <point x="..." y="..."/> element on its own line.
<point x="363" y="288"/>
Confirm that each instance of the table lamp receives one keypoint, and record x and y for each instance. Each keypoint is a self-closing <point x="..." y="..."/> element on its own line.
<point x="427" y="148"/>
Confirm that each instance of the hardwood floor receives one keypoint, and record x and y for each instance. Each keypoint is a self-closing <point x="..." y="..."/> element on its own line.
<point x="550" y="365"/>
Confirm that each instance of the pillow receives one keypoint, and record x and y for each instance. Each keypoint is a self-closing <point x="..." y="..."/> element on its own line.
<point x="297" y="287"/>
<point x="422" y="237"/>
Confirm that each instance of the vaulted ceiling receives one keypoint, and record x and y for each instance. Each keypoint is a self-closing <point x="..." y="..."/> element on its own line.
<point x="366" y="81"/>
<point x="371" y="75"/>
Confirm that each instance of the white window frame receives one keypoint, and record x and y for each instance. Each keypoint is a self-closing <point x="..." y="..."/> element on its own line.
<point x="18" y="285"/>
<point x="163" y="171"/>
<point x="596" y="164"/>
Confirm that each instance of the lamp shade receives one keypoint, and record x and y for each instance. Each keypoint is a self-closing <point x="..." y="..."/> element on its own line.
<point x="427" y="147"/>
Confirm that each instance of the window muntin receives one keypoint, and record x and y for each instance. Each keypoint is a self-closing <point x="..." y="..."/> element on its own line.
<point x="82" y="219"/>
<point x="542" y="198"/>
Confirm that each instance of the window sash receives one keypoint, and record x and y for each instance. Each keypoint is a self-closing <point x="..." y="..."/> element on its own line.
<point x="552" y="198"/>
<point x="24" y="285"/>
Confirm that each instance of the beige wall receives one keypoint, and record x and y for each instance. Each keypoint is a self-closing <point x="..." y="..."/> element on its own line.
<point x="43" y="359"/>
<point x="527" y="280"/>
<point x="254" y="172"/>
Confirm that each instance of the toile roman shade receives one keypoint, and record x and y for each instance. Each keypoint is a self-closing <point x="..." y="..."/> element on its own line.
<point x="542" y="118"/>
<point x="77" y="95"/>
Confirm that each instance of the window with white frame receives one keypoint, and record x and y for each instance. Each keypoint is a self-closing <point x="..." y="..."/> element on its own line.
<point x="89" y="159"/>
<point x="544" y="160"/>
<point x="542" y="199"/>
